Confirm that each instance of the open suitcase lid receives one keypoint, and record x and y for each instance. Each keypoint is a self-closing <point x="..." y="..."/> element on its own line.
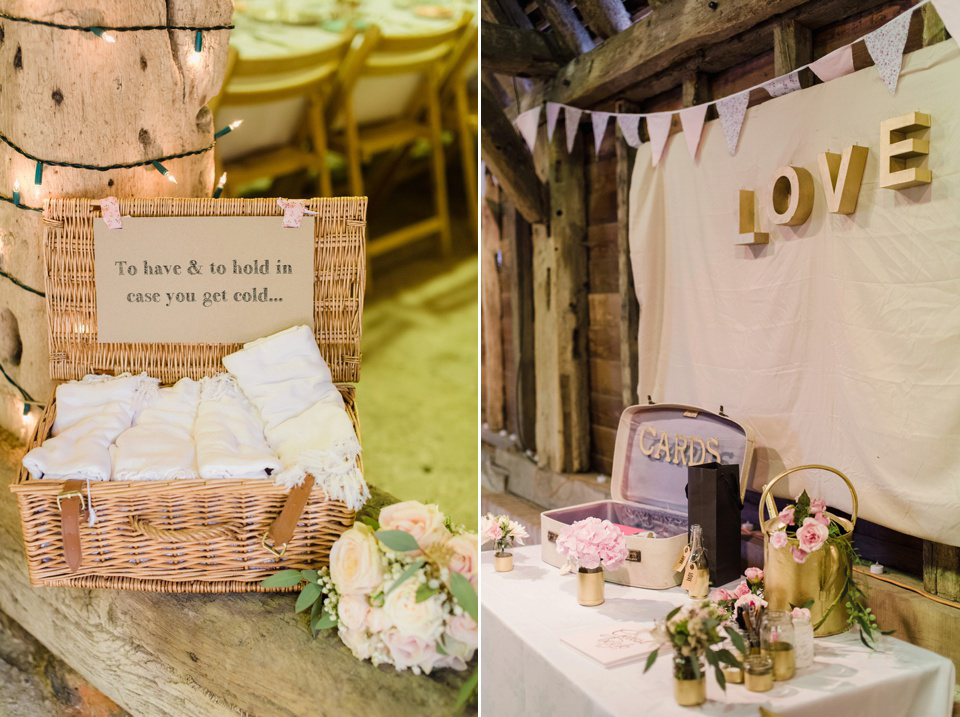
<point x="656" y="444"/>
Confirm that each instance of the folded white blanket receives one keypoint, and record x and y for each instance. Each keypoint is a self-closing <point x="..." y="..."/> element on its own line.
<point x="94" y="412"/>
<point x="229" y="434"/>
<point x="159" y="445"/>
<point x="287" y="380"/>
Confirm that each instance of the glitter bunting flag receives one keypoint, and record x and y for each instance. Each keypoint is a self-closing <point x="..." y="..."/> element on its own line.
<point x="784" y="85"/>
<point x="630" y="127"/>
<point x="732" y="110"/>
<point x="885" y="46"/>
<point x="691" y="119"/>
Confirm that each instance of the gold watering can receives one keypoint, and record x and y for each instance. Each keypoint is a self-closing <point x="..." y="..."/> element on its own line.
<point x="821" y="577"/>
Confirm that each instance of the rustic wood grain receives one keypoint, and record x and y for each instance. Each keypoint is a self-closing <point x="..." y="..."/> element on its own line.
<point x="156" y="654"/>
<point x="629" y="307"/>
<point x="491" y="319"/>
<point x="792" y="48"/>
<point x="941" y="570"/>
<point x="512" y="51"/>
<point x="605" y="17"/>
<point x="564" y="22"/>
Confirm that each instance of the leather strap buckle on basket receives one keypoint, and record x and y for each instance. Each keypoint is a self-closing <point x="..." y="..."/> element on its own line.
<point x="70" y="511"/>
<point x="282" y="529"/>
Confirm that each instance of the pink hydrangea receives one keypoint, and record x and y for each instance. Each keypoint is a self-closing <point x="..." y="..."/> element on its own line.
<point x="799" y="556"/>
<point x="753" y="575"/>
<point x="786" y="515"/>
<point x="812" y="535"/>
<point x="741" y="589"/>
<point x="592" y="543"/>
<point x="778" y="538"/>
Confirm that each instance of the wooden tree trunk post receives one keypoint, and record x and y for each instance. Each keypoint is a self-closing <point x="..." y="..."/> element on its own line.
<point x="72" y="96"/>
<point x="629" y="305"/>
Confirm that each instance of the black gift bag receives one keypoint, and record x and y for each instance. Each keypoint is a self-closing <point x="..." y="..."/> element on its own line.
<point x="713" y="500"/>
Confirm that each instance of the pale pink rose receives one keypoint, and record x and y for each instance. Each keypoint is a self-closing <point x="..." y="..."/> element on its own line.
<point x="719" y="595"/>
<point x="463" y="554"/>
<point x="750" y="600"/>
<point x="352" y="611"/>
<point x="378" y="620"/>
<point x="408" y="651"/>
<point x="778" y="538"/>
<point x="490" y="530"/>
<point x="358" y="641"/>
<point x="741" y="589"/>
<point x="753" y="575"/>
<point x="786" y="515"/>
<point x="822" y="518"/>
<point x="420" y="619"/>
<point x="812" y="535"/>
<point x="799" y="556"/>
<point x="818" y="505"/>
<point x="453" y="662"/>
<point x="800" y="613"/>
<point x="423" y="522"/>
<point x="355" y="561"/>
<point x="463" y="629"/>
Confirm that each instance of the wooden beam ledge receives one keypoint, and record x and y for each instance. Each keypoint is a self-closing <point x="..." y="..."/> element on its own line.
<point x="512" y="51"/>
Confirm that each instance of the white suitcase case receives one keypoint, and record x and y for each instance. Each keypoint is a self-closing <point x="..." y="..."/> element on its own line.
<point x="655" y="445"/>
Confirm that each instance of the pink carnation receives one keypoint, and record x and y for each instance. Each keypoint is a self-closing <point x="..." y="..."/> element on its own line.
<point x="778" y="538"/>
<point x="817" y="505"/>
<point x="592" y="543"/>
<point x="753" y="575"/>
<point x="799" y="556"/>
<point x="719" y="595"/>
<point x="741" y="590"/>
<point x="812" y="535"/>
<point x="786" y="515"/>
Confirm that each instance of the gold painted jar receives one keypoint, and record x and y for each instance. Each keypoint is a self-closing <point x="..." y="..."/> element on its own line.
<point x="688" y="689"/>
<point x="503" y="562"/>
<point x="758" y="673"/>
<point x="777" y="643"/>
<point x="732" y="674"/>
<point x="590" y="586"/>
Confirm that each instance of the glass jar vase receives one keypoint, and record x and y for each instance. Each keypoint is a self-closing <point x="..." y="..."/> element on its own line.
<point x="777" y="642"/>
<point x="803" y="642"/>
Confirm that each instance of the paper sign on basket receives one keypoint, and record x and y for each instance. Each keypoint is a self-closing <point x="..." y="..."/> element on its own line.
<point x="202" y="279"/>
<point x="613" y="644"/>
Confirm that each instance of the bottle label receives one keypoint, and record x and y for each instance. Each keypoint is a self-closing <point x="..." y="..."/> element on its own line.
<point x="682" y="560"/>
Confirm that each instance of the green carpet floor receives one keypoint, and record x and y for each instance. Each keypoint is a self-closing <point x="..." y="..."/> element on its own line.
<point x="417" y="395"/>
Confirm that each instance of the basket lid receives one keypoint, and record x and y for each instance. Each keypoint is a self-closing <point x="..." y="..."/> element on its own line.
<point x="656" y="444"/>
<point x="68" y="252"/>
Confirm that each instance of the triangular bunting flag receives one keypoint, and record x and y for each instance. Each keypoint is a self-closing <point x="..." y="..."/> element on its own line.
<point x="571" y="122"/>
<point x="732" y="110"/>
<point x="630" y="126"/>
<point x="949" y="12"/>
<point x="553" y="112"/>
<point x="837" y="64"/>
<point x="691" y="119"/>
<point x="885" y="46"/>
<point x="658" y="126"/>
<point x="528" y="122"/>
<point x="783" y="85"/>
<point x="599" y="120"/>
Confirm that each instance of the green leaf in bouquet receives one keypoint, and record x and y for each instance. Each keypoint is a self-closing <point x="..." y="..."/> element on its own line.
<point x="726" y="657"/>
<point x="711" y="657"/>
<point x="310" y="576"/>
<point x="398" y="541"/>
<point x="425" y="592"/>
<point x="672" y="613"/>
<point x="308" y="596"/>
<point x="441" y="650"/>
<point x="466" y="692"/>
<point x="721" y="678"/>
<point x="408" y="572"/>
<point x="864" y="641"/>
<point x="283" y="579"/>
<point x="695" y="664"/>
<point x="325" y="622"/>
<point x="651" y="658"/>
<point x="370" y="522"/>
<point x="314" y="616"/>
<point x="737" y="640"/>
<point x="465" y="594"/>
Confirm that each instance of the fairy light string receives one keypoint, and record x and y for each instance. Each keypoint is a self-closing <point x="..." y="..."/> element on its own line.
<point x="100" y="29"/>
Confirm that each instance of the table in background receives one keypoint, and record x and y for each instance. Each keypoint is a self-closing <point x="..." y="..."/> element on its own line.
<point x="527" y="670"/>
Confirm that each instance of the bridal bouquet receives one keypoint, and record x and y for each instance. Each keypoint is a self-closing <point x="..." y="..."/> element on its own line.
<point x="400" y="592"/>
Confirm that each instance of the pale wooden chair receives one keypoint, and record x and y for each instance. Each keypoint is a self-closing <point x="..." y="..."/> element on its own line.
<point x="459" y="95"/>
<point x="418" y="117"/>
<point x="264" y="82"/>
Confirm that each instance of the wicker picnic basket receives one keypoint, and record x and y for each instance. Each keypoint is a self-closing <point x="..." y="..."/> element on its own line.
<point x="203" y="536"/>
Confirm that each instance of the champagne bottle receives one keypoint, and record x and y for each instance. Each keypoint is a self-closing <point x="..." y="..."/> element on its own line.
<point x="696" y="576"/>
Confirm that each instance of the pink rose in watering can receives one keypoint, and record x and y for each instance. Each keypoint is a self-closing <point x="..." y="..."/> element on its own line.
<point x="786" y="515"/>
<point x="812" y="535"/>
<point x="817" y="505"/>
<point x="778" y="539"/>
<point x="799" y="556"/>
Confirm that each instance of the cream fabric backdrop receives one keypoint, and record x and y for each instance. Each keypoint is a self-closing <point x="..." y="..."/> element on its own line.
<point x="839" y="342"/>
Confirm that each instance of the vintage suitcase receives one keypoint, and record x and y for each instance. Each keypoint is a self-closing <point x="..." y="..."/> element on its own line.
<point x="203" y="536"/>
<point x="655" y="445"/>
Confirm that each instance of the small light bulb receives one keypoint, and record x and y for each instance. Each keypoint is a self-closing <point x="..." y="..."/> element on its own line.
<point x="194" y="59"/>
<point x="108" y="37"/>
<point x="235" y="124"/>
<point x="16" y="192"/>
<point x="171" y="177"/>
<point x="220" y="185"/>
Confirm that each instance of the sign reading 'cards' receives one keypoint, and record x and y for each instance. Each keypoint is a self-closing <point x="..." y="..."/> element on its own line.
<point x="202" y="279"/>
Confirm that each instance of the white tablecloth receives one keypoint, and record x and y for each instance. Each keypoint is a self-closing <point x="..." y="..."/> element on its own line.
<point x="526" y="670"/>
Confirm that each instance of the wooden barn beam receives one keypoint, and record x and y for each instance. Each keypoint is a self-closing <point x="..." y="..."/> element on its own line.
<point x="509" y="159"/>
<point x="792" y="48"/>
<point x="605" y="17"/>
<point x="569" y="29"/>
<point x="941" y="570"/>
<point x="629" y="305"/>
<point x="491" y="315"/>
<point x="506" y="12"/>
<point x="512" y="51"/>
<point x="695" y="88"/>
<point x="560" y="307"/>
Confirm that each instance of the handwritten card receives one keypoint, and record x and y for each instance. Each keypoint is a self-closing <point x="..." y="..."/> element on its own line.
<point x="202" y="279"/>
<point x="614" y="644"/>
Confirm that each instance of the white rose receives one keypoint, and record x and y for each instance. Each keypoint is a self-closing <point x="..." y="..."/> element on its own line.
<point x="378" y="620"/>
<point x="358" y="641"/>
<point x="409" y="651"/>
<point x="423" y="522"/>
<point x="355" y="562"/>
<point x="418" y="619"/>
<point x="463" y="629"/>
<point x="352" y="611"/>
